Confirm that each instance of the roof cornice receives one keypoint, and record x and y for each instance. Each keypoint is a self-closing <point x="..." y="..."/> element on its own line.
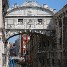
<point x="25" y="7"/>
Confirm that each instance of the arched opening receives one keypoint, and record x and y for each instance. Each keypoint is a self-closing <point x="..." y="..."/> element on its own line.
<point x="31" y="49"/>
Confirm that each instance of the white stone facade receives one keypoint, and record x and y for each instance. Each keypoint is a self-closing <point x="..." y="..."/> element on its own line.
<point x="29" y="16"/>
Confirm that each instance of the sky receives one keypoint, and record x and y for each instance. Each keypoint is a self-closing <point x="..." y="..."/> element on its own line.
<point x="55" y="4"/>
<point x="12" y="40"/>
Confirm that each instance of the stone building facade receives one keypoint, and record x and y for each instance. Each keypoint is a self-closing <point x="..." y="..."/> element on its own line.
<point x="42" y="51"/>
<point x="3" y="10"/>
<point x="61" y="35"/>
<point x="31" y="16"/>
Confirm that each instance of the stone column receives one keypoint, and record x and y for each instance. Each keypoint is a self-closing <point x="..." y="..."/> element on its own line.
<point x="1" y="50"/>
<point x="62" y="41"/>
<point x="1" y="27"/>
<point x="1" y="17"/>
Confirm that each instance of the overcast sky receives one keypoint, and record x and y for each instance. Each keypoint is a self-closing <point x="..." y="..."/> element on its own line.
<point x="55" y="4"/>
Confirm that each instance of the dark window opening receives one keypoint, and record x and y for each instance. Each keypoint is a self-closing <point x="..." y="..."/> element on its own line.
<point x="43" y="44"/>
<point x="20" y="21"/>
<point x="60" y="40"/>
<point x="66" y="11"/>
<point x="54" y="46"/>
<point x="59" y="62"/>
<point x="60" y="23"/>
<point x="40" y="21"/>
<point x="43" y="62"/>
<point x="53" y="62"/>
<point x="47" y="42"/>
<point x="48" y="62"/>
<point x="65" y="20"/>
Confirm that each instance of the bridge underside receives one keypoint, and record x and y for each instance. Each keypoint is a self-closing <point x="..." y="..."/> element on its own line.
<point x="41" y="50"/>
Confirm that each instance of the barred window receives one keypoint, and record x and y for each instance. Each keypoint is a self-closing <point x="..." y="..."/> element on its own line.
<point x="40" y="21"/>
<point x="20" y="21"/>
